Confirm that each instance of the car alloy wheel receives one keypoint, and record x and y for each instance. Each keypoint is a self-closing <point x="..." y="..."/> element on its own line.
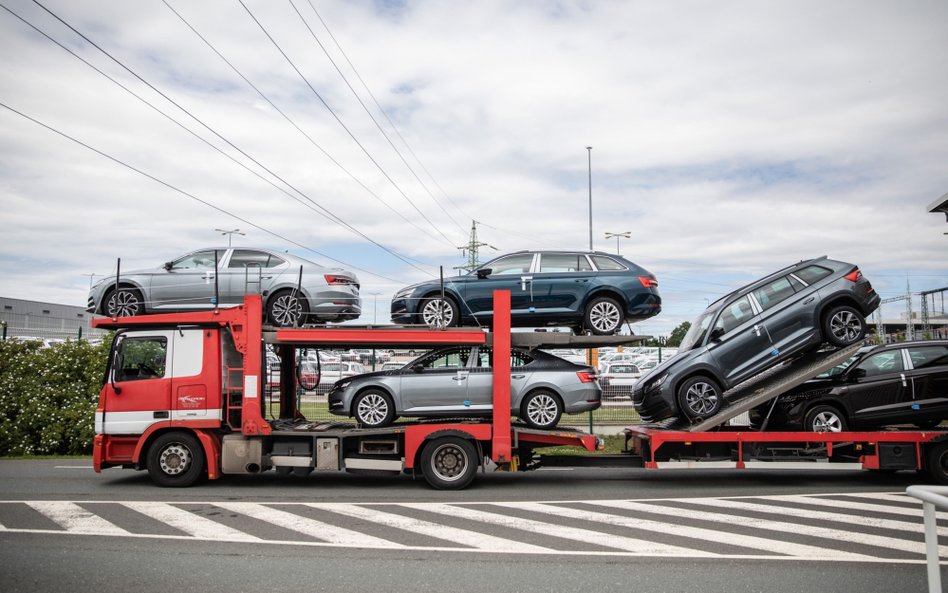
<point x="604" y="316"/>
<point x="542" y="410"/>
<point x="374" y="409"/>
<point x="824" y="419"/>
<point x="439" y="313"/>
<point x="699" y="397"/>
<point x="286" y="310"/>
<point x="844" y="326"/>
<point x="124" y="302"/>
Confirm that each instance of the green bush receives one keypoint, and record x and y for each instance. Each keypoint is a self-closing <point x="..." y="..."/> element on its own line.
<point x="48" y="396"/>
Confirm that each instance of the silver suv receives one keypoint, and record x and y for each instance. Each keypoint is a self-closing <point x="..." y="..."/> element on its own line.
<point x="789" y="312"/>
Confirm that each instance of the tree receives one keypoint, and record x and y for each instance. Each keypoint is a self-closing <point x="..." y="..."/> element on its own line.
<point x="678" y="334"/>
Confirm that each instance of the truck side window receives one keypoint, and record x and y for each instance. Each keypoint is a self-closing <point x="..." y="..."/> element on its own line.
<point x="142" y="358"/>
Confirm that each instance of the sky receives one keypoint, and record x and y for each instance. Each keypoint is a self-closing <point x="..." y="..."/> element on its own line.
<point x="730" y="139"/>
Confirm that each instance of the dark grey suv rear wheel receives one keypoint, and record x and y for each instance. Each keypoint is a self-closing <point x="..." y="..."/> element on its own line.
<point x="843" y="326"/>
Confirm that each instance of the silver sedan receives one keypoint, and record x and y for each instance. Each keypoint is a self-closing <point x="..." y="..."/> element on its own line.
<point x="458" y="380"/>
<point x="293" y="289"/>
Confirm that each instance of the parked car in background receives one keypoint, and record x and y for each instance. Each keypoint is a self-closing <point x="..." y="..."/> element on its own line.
<point x="586" y="291"/>
<point x="787" y="313"/>
<point x="336" y="371"/>
<point x="187" y="283"/>
<point x="903" y="383"/>
<point x="458" y="381"/>
<point x="617" y="378"/>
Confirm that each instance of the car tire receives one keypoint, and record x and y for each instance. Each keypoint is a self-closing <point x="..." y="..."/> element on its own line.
<point x="603" y="316"/>
<point x="541" y="409"/>
<point x="175" y="460"/>
<point x="937" y="463"/>
<point x="824" y="419"/>
<point x="439" y="313"/>
<point x="700" y="397"/>
<point x="124" y="302"/>
<point x="373" y="408"/>
<point x="285" y="309"/>
<point x="843" y="326"/>
<point x="449" y="463"/>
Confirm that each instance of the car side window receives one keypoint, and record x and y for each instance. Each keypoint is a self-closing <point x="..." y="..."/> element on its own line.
<point x="202" y="260"/>
<point x="773" y="293"/>
<point x="734" y="314"/>
<point x="928" y="356"/>
<point x="485" y="359"/>
<point x="515" y="264"/>
<point x="454" y="359"/>
<point x="811" y="274"/>
<point x="564" y="262"/>
<point x="141" y="358"/>
<point x="881" y="363"/>
<point x="241" y="258"/>
<point x="606" y="264"/>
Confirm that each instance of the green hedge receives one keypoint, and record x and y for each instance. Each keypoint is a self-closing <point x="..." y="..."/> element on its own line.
<point x="48" y="396"/>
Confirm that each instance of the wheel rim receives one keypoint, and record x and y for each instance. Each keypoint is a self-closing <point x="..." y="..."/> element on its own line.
<point x="449" y="462"/>
<point x="372" y="409"/>
<point x="437" y="313"/>
<point x="701" y="398"/>
<point x="175" y="459"/>
<point x="826" y="422"/>
<point x="286" y="310"/>
<point x="123" y="303"/>
<point x="605" y="316"/>
<point x="542" y="409"/>
<point x="846" y="326"/>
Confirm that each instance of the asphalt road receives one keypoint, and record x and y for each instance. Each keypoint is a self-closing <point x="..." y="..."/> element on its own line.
<point x="65" y="528"/>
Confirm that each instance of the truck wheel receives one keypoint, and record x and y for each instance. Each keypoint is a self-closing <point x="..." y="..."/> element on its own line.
<point x="824" y="419"/>
<point x="438" y="313"/>
<point x="449" y="463"/>
<point x="699" y="397"/>
<point x="541" y="409"/>
<point x="843" y="326"/>
<point x="373" y="408"/>
<point x="603" y="316"/>
<point x="286" y="309"/>
<point x="124" y="302"/>
<point x="175" y="459"/>
<point x="937" y="466"/>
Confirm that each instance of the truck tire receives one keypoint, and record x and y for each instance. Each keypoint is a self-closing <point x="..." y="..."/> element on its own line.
<point x="124" y="302"/>
<point x="824" y="419"/>
<point x="843" y="326"/>
<point x="937" y="463"/>
<point x="699" y="397"/>
<point x="175" y="460"/>
<point x="449" y="463"/>
<point x="373" y="408"/>
<point x="541" y="409"/>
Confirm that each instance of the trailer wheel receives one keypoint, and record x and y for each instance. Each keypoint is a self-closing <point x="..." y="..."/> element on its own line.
<point x="175" y="459"/>
<point x="440" y="313"/>
<point x="286" y="309"/>
<point x="824" y="419"/>
<point x="124" y="302"/>
<point x="843" y="326"/>
<point x="449" y="463"/>
<point x="937" y="465"/>
<point x="699" y="397"/>
<point x="603" y="316"/>
<point x="373" y="408"/>
<point x="541" y="409"/>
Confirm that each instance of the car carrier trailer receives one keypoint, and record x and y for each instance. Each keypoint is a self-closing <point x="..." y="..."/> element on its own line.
<point x="185" y="397"/>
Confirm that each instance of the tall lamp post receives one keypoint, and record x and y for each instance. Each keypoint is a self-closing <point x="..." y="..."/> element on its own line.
<point x="230" y="234"/>
<point x="589" y="152"/>
<point x="626" y="234"/>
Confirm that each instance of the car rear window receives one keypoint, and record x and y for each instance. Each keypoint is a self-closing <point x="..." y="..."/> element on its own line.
<point x="928" y="356"/>
<point x="811" y="274"/>
<point x="773" y="293"/>
<point x="607" y="263"/>
<point x="564" y="262"/>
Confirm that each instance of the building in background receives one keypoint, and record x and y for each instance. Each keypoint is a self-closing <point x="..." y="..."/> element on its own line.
<point x="45" y="321"/>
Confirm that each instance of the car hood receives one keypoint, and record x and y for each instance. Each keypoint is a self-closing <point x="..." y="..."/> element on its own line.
<point x="664" y="366"/>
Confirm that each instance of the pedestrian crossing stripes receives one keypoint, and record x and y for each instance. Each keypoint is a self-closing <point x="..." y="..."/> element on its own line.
<point x="856" y="527"/>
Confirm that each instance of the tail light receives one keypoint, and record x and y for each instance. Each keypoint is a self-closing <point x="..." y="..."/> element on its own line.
<point x="854" y="276"/>
<point x="587" y="376"/>
<point x="648" y="281"/>
<point x="336" y="279"/>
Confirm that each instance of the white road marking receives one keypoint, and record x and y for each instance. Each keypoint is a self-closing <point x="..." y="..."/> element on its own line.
<point x="307" y="526"/>
<point x="864" y="506"/>
<point x="452" y="534"/>
<point x="188" y="522"/>
<point x="75" y="519"/>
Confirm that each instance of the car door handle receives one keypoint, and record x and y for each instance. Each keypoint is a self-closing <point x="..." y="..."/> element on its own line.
<point x="460" y="377"/>
<point x="808" y="301"/>
<point x="517" y="376"/>
<point x="524" y="280"/>
<point x="904" y="382"/>
<point x="581" y="280"/>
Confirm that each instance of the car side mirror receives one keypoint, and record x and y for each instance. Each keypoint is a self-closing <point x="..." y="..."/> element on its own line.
<point x="418" y="368"/>
<point x="716" y="334"/>
<point x="169" y="265"/>
<point x="484" y="273"/>
<point x="858" y="374"/>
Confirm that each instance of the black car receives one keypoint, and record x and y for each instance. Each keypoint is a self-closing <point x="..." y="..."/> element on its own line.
<point x="904" y="383"/>
<point x="583" y="290"/>
<point x="754" y="328"/>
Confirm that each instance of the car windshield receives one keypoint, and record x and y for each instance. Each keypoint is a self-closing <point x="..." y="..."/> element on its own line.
<point x="696" y="332"/>
<point x="838" y="369"/>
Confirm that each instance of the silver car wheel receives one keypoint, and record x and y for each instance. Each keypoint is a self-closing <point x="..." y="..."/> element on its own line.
<point x="826" y="421"/>
<point x="605" y="317"/>
<point x="543" y="409"/>
<point x="846" y="326"/>
<point x="372" y="409"/>
<point x="286" y="310"/>
<point x="174" y="459"/>
<point x="123" y="303"/>
<point x="437" y="313"/>
<point x="701" y="398"/>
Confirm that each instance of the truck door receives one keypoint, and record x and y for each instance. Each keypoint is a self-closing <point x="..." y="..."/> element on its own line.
<point x="195" y="392"/>
<point x="138" y="391"/>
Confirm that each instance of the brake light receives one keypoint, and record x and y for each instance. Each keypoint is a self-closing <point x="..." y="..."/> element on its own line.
<point x="648" y="281"/>
<point x="854" y="276"/>
<point x="587" y="376"/>
<point x="335" y="279"/>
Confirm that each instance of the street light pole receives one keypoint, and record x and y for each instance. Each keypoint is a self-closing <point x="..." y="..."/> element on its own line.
<point x="589" y="153"/>
<point x="230" y="234"/>
<point x="626" y="234"/>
